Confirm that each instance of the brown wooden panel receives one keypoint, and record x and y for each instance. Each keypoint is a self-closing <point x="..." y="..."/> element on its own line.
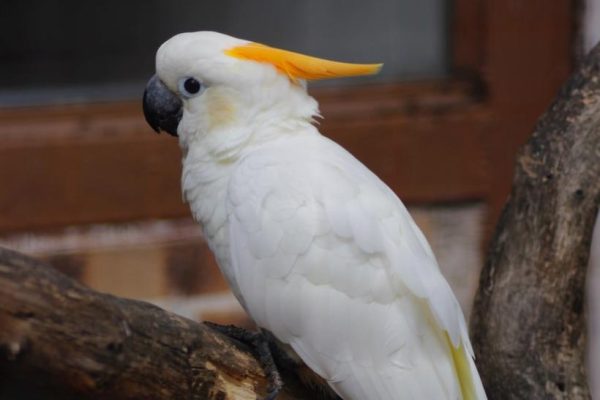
<point x="101" y="163"/>
<point x="58" y="169"/>
<point x="423" y="139"/>
<point x="424" y="159"/>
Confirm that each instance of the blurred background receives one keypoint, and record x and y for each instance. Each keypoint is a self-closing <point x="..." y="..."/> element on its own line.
<point x="87" y="185"/>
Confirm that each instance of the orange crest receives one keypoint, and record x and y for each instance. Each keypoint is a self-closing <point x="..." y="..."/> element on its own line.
<point x="299" y="66"/>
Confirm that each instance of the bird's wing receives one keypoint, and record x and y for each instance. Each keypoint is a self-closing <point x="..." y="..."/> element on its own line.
<point x="327" y="258"/>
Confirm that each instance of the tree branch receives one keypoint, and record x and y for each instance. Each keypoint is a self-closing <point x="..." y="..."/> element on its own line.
<point x="60" y="340"/>
<point x="528" y="322"/>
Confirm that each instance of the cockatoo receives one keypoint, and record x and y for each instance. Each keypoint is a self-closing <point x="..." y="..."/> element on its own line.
<point x="316" y="248"/>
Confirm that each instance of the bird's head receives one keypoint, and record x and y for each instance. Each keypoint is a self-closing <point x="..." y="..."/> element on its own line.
<point x="206" y="81"/>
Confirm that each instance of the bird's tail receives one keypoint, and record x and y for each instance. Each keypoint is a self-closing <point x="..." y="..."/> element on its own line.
<point x="470" y="382"/>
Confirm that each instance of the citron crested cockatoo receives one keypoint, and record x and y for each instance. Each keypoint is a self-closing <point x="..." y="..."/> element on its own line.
<point x="317" y="249"/>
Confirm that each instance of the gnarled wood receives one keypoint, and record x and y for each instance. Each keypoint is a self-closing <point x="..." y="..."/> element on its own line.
<point x="60" y="340"/>
<point x="528" y="321"/>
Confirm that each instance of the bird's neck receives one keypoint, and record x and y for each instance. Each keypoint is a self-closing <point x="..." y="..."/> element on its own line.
<point x="208" y="163"/>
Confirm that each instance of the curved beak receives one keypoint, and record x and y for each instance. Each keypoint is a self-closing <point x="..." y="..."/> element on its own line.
<point x="162" y="108"/>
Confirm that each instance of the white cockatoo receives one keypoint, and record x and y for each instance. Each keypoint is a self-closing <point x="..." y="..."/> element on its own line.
<point x="317" y="249"/>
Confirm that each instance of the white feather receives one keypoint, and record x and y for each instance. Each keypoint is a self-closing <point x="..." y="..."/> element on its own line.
<point x="340" y="272"/>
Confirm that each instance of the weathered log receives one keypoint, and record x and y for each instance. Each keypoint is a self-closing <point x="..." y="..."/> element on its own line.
<point x="60" y="340"/>
<point x="528" y="321"/>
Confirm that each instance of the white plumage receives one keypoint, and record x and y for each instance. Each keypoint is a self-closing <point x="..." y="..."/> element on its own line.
<point x="317" y="249"/>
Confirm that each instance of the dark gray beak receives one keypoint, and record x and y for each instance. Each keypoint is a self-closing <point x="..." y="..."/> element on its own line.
<point x="162" y="108"/>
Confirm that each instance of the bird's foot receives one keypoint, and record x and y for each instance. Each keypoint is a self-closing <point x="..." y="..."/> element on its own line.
<point x="260" y="344"/>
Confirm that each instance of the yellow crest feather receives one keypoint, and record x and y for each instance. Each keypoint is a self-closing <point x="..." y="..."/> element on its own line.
<point x="300" y="66"/>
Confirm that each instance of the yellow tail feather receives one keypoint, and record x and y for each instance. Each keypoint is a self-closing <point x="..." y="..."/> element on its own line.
<point x="463" y="370"/>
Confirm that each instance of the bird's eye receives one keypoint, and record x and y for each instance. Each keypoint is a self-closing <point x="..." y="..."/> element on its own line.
<point x="189" y="87"/>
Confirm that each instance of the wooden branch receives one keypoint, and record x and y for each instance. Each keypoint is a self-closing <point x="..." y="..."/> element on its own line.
<point x="528" y="322"/>
<point x="60" y="340"/>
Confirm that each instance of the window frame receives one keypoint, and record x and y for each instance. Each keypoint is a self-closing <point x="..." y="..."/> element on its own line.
<point x="445" y="140"/>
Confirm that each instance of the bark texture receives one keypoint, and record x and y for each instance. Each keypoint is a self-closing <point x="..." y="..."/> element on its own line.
<point x="60" y="340"/>
<point x="528" y="321"/>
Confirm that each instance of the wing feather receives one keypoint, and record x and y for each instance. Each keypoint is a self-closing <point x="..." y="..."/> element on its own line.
<point x="328" y="259"/>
